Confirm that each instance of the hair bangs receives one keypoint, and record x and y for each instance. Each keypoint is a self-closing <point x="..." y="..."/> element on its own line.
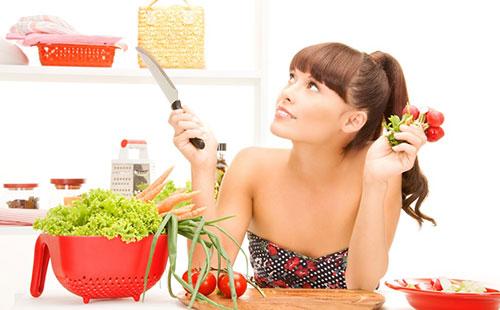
<point x="333" y="64"/>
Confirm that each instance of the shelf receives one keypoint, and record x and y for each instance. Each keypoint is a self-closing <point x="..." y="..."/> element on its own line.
<point x="17" y="230"/>
<point x="124" y="75"/>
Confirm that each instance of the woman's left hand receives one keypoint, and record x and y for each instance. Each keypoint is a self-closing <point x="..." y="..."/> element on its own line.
<point x="383" y="161"/>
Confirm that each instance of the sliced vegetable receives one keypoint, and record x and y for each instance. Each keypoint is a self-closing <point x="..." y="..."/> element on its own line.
<point x="436" y="284"/>
<point x="459" y="286"/>
<point x="450" y="286"/>
<point x="424" y="286"/>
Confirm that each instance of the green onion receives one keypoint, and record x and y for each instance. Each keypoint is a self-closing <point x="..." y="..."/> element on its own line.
<point x="194" y="229"/>
<point x="166" y="219"/>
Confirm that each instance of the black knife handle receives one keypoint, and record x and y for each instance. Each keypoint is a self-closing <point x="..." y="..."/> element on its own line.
<point x="176" y="105"/>
<point x="197" y="142"/>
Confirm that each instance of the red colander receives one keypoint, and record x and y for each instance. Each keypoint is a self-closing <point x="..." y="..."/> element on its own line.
<point x="96" y="267"/>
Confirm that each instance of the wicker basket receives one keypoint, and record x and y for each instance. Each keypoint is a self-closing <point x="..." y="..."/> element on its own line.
<point x="76" y="55"/>
<point x="174" y="35"/>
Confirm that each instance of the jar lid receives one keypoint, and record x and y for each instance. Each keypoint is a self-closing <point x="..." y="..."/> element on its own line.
<point x="20" y="185"/>
<point x="67" y="181"/>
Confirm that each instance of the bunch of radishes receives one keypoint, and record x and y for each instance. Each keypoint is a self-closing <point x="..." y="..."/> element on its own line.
<point x="430" y="121"/>
<point x="432" y="118"/>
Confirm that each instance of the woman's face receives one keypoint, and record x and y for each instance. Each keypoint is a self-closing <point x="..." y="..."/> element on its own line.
<point x="308" y="111"/>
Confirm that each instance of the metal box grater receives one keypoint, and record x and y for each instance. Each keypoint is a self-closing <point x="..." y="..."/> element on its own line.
<point x="130" y="176"/>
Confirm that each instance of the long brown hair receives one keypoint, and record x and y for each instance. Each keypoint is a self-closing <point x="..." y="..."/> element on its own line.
<point x="374" y="83"/>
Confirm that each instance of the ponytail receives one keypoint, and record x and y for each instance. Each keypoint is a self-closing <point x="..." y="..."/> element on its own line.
<point x="414" y="183"/>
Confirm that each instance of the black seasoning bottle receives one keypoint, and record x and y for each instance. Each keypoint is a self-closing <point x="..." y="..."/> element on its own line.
<point x="221" y="167"/>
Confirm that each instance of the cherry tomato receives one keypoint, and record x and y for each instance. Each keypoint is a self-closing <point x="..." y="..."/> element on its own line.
<point x="206" y="287"/>
<point x="240" y="284"/>
<point x="434" y="118"/>
<point x="434" y="133"/>
<point x="413" y="111"/>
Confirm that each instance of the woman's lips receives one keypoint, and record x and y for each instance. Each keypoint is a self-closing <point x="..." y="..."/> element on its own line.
<point x="282" y="113"/>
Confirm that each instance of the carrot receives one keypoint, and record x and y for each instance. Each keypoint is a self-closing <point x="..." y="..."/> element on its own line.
<point x="182" y="210"/>
<point x="191" y="214"/>
<point x="151" y="194"/>
<point x="169" y="203"/>
<point x="157" y="182"/>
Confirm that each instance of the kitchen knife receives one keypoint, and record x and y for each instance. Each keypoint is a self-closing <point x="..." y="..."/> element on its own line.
<point x="167" y="87"/>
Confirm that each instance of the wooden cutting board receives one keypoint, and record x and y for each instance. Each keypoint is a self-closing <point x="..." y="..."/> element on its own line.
<point x="294" y="299"/>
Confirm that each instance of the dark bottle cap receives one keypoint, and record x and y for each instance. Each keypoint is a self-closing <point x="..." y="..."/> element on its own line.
<point x="221" y="147"/>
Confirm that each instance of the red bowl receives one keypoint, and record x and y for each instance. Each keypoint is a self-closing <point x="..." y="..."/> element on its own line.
<point x="422" y="299"/>
<point x="96" y="267"/>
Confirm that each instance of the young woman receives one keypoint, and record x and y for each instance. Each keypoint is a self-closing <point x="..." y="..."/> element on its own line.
<point x="322" y="214"/>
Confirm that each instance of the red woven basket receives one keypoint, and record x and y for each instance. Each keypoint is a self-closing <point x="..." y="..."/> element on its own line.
<point x="76" y="55"/>
<point x="95" y="267"/>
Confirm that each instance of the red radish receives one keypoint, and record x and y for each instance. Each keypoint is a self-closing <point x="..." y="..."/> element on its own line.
<point x="413" y="110"/>
<point x="434" y="133"/>
<point x="430" y="122"/>
<point x="434" y="118"/>
<point x="436" y="284"/>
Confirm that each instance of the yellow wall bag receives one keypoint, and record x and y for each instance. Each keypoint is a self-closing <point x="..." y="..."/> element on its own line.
<point x="174" y="35"/>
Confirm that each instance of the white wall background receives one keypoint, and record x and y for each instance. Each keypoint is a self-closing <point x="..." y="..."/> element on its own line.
<point x="448" y="50"/>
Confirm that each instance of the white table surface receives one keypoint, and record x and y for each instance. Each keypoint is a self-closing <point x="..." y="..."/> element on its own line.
<point x="156" y="298"/>
<point x="15" y="277"/>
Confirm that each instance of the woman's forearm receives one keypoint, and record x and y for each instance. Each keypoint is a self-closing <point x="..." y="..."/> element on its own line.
<point x="203" y="180"/>
<point x="368" y="251"/>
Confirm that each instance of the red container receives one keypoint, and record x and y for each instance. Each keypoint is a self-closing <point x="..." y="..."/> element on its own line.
<point x="426" y="299"/>
<point x="96" y="267"/>
<point x="76" y="55"/>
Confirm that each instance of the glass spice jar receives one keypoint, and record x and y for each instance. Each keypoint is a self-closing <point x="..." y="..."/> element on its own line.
<point x="221" y="167"/>
<point x="22" y="195"/>
<point x="67" y="190"/>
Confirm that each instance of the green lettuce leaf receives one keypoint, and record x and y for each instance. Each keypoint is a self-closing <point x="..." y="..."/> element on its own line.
<point x="102" y="213"/>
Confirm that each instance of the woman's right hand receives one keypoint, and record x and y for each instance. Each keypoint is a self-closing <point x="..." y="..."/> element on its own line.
<point x="187" y="125"/>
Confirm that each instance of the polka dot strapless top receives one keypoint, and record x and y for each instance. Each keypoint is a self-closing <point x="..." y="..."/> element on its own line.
<point x="278" y="267"/>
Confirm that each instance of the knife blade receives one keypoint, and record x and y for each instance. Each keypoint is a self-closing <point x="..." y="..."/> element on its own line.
<point x="167" y="86"/>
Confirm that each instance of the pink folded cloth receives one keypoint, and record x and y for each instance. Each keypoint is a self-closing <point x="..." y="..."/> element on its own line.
<point x="35" y="38"/>
<point x="22" y="217"/>
<point x="42" y="24"/>
<point x="48" y="29"/>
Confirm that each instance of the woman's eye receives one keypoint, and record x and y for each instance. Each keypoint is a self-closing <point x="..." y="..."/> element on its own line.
<point x="312" y="86"/>
<point x="291" y="78"/>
